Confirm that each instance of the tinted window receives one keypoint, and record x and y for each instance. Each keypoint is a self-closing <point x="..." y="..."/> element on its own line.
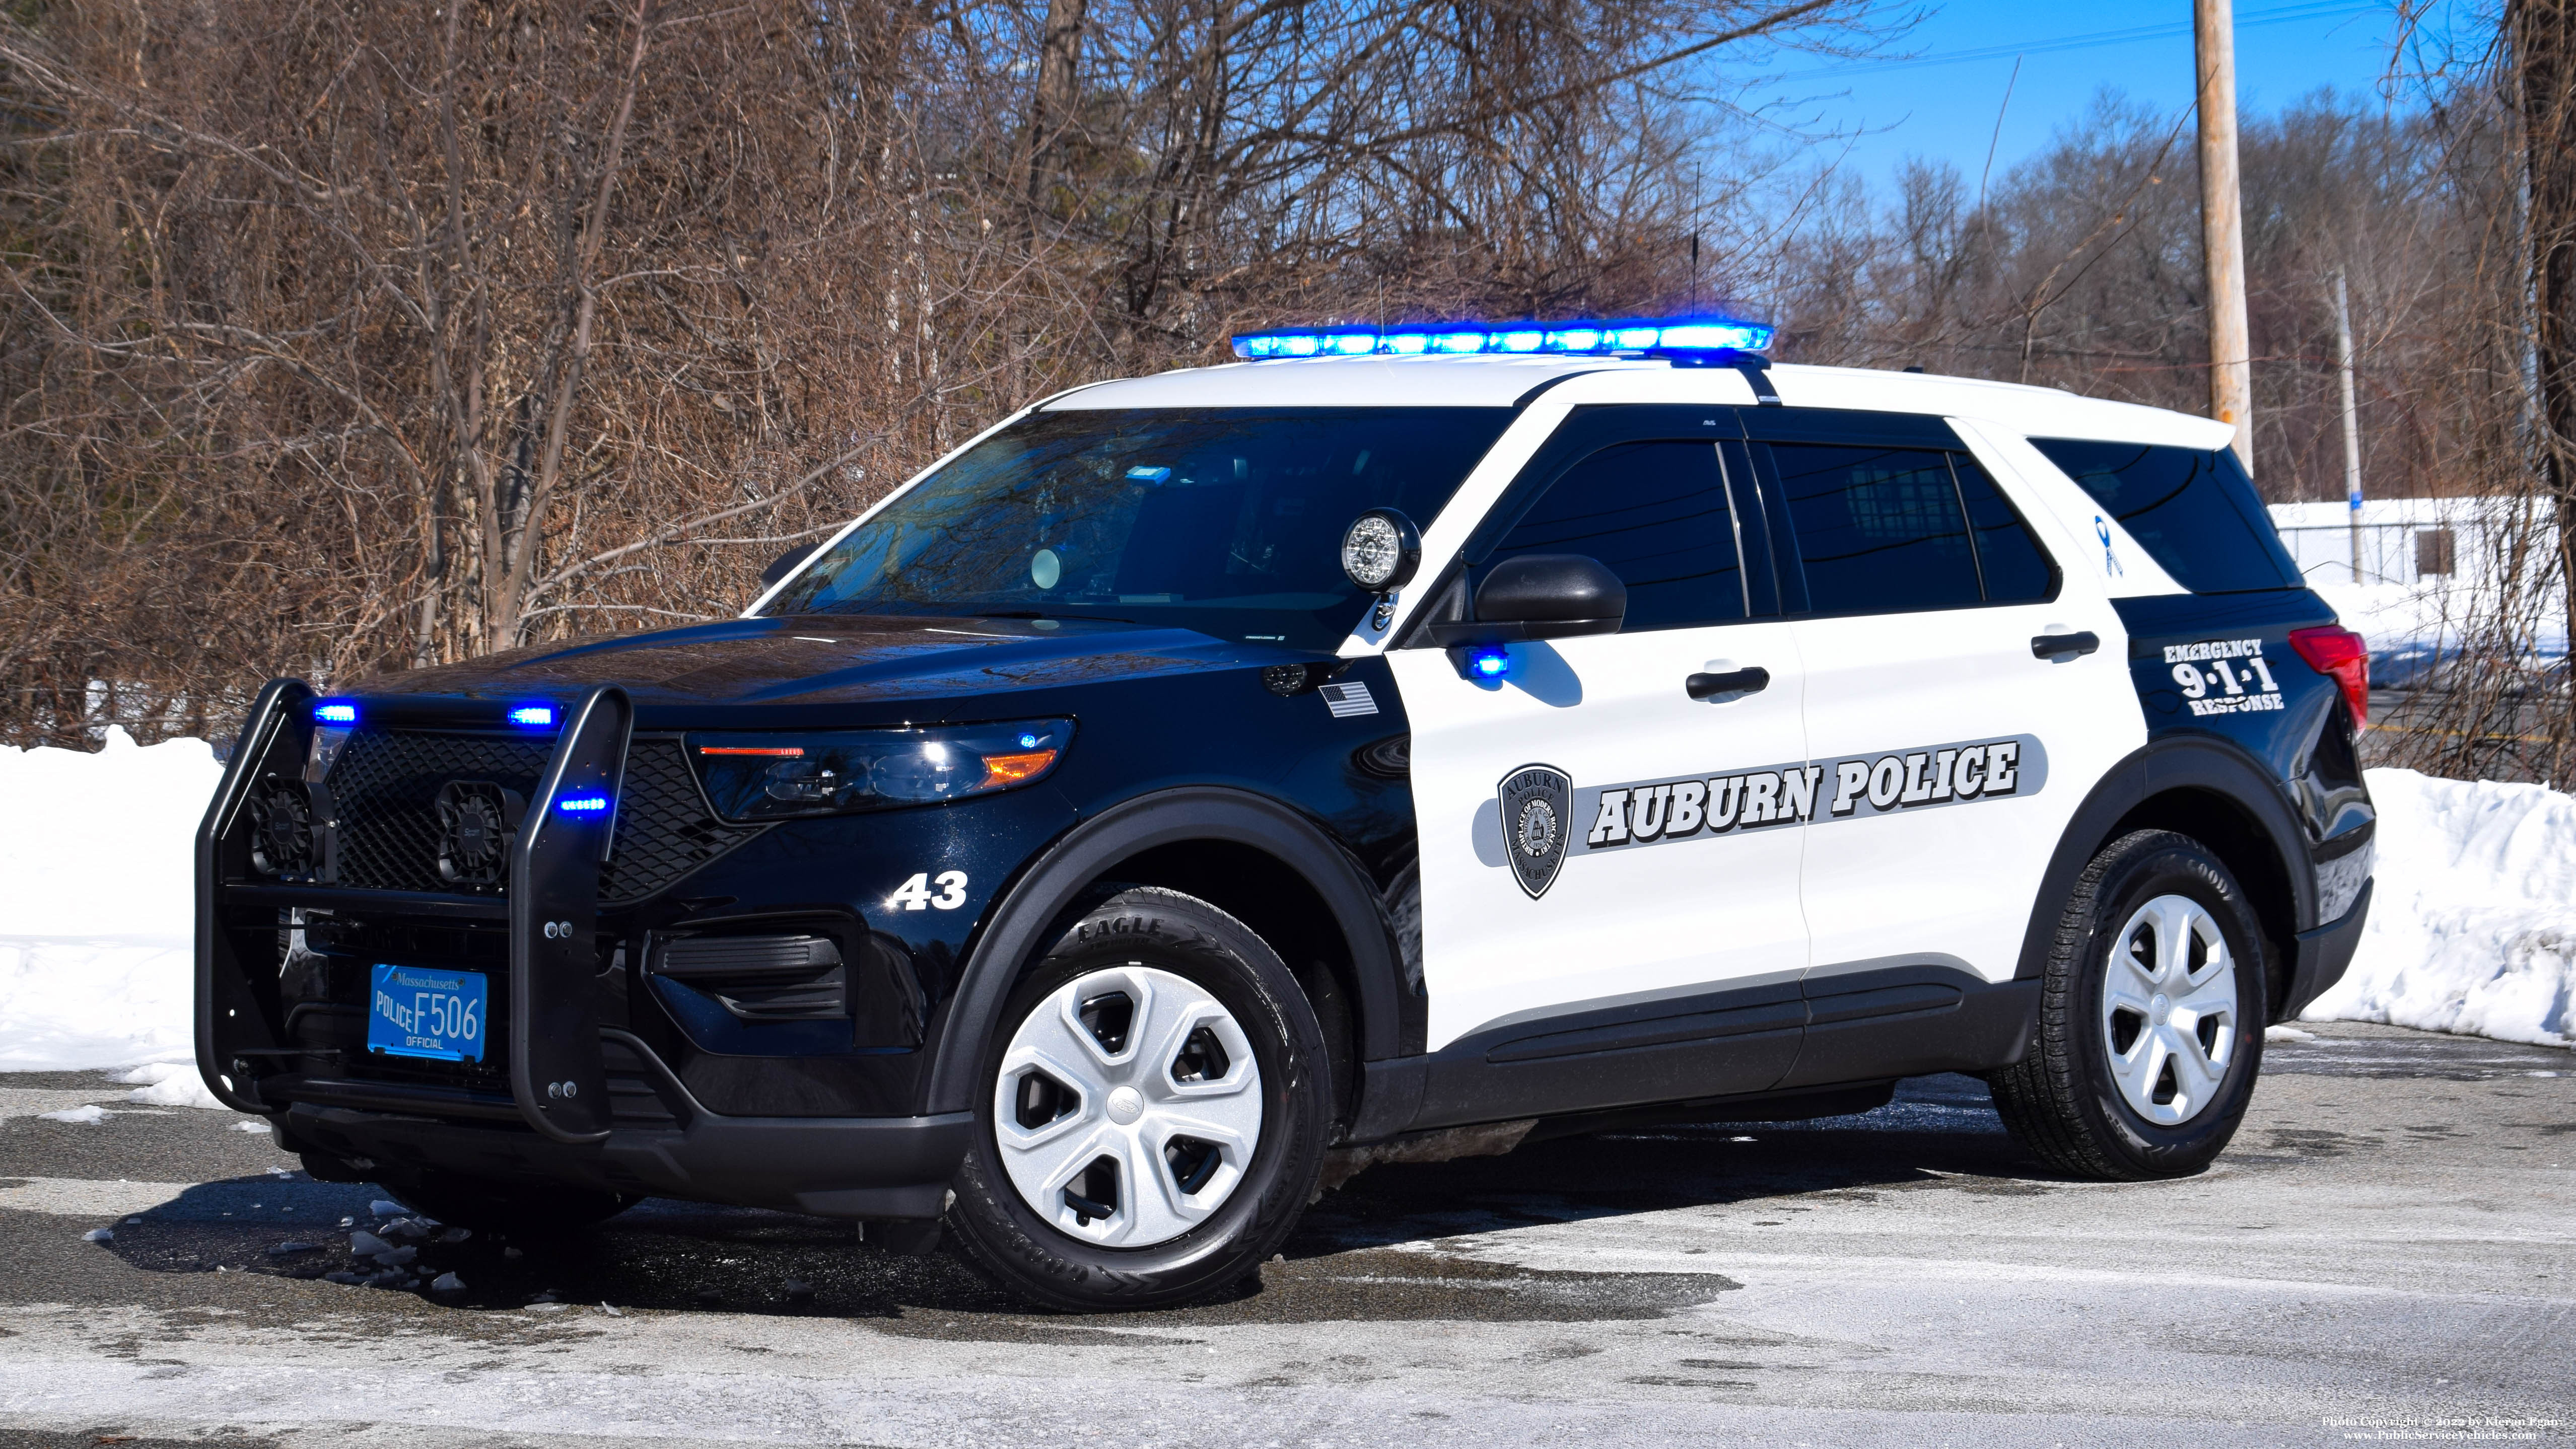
<point x="2008" y="558"/>
<point x="2193" y="512"/>
<point x="1228" y="522"/>
<point x="1656" y="515"/>
<point x="1879" y="529"/>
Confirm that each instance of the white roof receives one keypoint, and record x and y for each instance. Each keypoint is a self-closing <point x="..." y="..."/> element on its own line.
<point x="1345" y="382"/>
<point x="1490" y="381"/>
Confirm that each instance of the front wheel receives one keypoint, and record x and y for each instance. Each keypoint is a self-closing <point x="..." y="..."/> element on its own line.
<point x="1154" y="1107"/>
<point x="2150" y="1020"/>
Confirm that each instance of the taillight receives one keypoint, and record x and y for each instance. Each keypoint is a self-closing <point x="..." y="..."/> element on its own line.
<point x="2341" y="654"/>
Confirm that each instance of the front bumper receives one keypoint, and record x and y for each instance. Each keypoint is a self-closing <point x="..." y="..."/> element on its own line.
<point x="570" y="1098"/>
<point x="844" y="1167"/>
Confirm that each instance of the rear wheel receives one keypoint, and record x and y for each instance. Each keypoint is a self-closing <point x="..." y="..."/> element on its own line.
<point x="1153" y="1112"/>
<point x="2150" y="1021"/>
<point x="492" y="1206"/>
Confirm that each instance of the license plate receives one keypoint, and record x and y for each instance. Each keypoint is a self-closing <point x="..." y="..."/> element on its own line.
<point x="415" y="1011"/>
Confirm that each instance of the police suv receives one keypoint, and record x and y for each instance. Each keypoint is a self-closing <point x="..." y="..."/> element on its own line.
<point x="1395" y="739"/>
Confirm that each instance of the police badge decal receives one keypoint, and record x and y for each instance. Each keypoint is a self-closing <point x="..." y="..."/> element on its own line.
<point x="1536" y="800"/>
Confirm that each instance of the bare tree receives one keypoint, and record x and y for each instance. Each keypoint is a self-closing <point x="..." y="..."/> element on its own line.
<point x="353" y="337"/>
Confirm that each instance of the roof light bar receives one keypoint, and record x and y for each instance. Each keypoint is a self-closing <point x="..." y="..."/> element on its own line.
<point x="1685" y="335"/>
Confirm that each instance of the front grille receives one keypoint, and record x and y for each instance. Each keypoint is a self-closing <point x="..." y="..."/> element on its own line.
<point x="665" y="829"/>
<point x="384" y="791"/>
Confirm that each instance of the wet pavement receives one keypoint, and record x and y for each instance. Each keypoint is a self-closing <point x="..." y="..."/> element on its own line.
<point x="2386" y="1250"/>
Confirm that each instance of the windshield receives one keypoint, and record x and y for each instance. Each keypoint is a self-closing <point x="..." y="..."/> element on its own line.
<point x="1228" y="522"/>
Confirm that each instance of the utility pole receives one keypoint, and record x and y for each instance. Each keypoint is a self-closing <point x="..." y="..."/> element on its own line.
<point x="2351" y="429"/>
<point x="2222" y="225"/>
<point x="2542" y="38"/>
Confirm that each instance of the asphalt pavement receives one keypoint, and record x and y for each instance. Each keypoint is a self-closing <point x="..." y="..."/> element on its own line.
<point x="2384" y="1253"/>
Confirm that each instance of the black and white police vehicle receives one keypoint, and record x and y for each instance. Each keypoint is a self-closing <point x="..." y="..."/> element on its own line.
<point x="1470" y="731"/>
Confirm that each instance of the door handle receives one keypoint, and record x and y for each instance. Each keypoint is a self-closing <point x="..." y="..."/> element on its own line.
<point x="2058" y="648"/>
<point x="1733" y="681"/>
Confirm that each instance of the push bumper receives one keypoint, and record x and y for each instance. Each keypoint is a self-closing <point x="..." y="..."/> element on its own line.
<point x="2323" y="954"/>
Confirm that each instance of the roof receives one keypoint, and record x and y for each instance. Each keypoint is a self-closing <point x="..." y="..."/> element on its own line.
<point x="1496" y="381"/>
<point x="1346" y="382"/>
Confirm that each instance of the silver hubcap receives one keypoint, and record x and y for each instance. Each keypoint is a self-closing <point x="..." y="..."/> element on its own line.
<point x="2169" y="1009"/>
<point x="1128" y="1107"/>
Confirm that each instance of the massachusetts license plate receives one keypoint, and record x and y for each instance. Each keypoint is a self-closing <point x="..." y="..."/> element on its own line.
<point x="415" y="1011"/>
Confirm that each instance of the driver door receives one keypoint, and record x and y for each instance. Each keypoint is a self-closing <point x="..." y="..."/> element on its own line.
<point x="1607" y="862"/>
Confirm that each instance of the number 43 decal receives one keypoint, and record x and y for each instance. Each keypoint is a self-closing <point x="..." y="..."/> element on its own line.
<point x="916" y="895"/>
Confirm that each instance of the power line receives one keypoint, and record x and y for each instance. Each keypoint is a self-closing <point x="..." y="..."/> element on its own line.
<point x="2313" y="10"/>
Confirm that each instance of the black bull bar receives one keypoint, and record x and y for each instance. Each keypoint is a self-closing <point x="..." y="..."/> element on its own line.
<point x="557" y="1078"/>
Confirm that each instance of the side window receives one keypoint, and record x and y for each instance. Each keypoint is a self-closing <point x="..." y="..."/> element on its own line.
<point x="2193" y="512"/>
<point x="2009" y="559"/>
<point x="1656" y="515"/>
<point x="1879" y="530"/>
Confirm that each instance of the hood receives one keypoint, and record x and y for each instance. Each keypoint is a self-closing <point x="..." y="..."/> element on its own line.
<point x="829" y="659"/>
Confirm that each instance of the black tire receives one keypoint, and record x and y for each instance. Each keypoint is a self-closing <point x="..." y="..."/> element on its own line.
<point x="2062" y="1101"/>
<point x="1037" y="1259"/>
<point x="527" y="1209"/>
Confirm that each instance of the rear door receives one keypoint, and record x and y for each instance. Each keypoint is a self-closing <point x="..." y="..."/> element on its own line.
<point x="1598" y="847"/>
<point x="1953" y="755"/>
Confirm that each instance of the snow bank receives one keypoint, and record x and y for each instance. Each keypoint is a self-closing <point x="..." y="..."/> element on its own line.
<point x="171" y="1084"/>
<point x="2473" y="921"/>
<point x="96" y="905"/>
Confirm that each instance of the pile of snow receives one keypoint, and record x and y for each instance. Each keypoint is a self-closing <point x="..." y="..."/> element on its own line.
<point x="96" y="907"/>
<point x="2473" y="920"/>
<point x="171" y="1084"/>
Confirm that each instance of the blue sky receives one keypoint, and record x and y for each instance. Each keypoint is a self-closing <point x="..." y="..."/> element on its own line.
<point x="1943" y="101"/>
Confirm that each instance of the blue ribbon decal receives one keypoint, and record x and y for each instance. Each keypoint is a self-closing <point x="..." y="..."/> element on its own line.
<point x="2110" y="561"/>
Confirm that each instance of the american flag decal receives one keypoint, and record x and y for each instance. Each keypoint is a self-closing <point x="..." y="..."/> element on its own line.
<point x="1346" y="700"/>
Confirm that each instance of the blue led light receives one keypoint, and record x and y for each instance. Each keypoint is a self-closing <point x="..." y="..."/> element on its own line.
<point x="336" y="712"/>
<point x="534" y="716"/>
<point x="1714" y="336"/>
<point x="1677" y="335"/>
<point x="1028" y="742"/>
<point x="582" y="804"/>
<point x="1490" y="662"/>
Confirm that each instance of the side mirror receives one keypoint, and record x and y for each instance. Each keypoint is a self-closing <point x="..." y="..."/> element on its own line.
<point x="785" y="564"/>
<point x="1541" y="596"/>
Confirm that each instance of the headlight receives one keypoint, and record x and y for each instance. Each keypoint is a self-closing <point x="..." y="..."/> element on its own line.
<point x="766" y="776"/>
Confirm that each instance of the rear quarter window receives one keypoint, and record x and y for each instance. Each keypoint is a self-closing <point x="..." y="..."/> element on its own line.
<point x="2194" y="512"/>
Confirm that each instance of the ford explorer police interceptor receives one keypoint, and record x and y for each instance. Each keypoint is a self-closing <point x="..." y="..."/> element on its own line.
<point x="1396" y="737"/>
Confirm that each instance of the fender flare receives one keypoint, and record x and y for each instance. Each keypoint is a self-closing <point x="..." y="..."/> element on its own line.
<point x="1019" y="926"/>
<point x="2181" y="762"/>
